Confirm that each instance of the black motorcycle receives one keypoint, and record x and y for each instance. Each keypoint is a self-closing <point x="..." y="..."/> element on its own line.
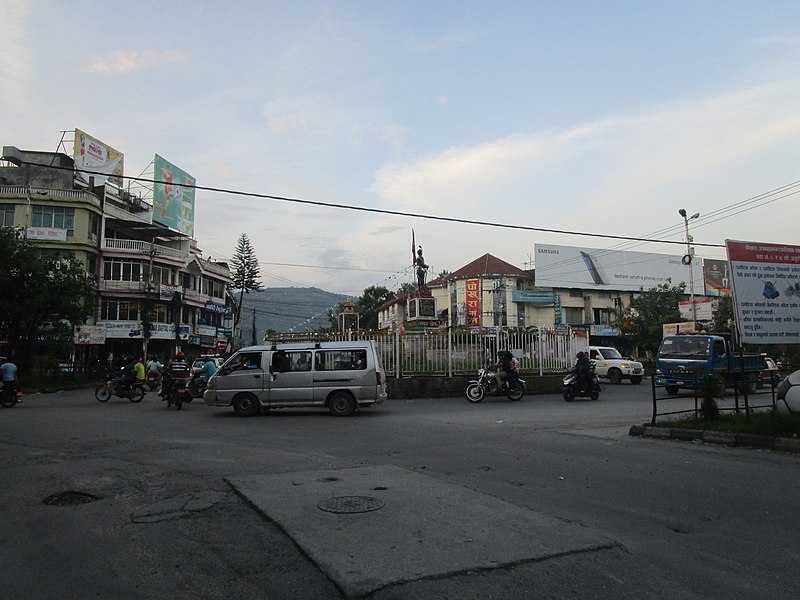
<point x="112" y="386"/>
<point x="486" y="385"/>
<point x="587" y="386"/>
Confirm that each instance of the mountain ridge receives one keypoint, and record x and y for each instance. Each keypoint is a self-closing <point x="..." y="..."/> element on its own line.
<point x="287" y="309"/>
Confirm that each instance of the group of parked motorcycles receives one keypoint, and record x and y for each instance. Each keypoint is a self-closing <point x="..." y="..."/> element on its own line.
<point x="580" y="381"/>
<point x="175" y="391"/>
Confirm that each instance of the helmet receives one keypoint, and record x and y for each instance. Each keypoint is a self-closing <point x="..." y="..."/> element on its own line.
<point x="179" y="355"/>
<point x="581" y="355"/>
<point x="504" y="354"/>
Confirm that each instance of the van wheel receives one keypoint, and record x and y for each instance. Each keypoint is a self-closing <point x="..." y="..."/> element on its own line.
<point x="615" y="375"/>
<point x="342" y="404"/>
<point x="245" y="405"/>
<point x="672" y="390"/>
<point x="636" y="379"/>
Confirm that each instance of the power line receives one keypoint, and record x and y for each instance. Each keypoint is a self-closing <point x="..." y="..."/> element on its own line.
<point x="396" y="213"/>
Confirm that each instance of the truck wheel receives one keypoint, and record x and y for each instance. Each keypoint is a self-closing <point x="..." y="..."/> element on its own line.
<point x="615" y="375"/>
<point x="672" y="390"/>
<point x="636" y="379"/>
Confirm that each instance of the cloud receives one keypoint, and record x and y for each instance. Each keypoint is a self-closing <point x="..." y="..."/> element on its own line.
<point x="16" y="68"/>
<point x="125" y="62"/>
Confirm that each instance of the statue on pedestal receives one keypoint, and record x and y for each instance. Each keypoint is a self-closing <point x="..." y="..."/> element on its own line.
<point x="422" y="270"/>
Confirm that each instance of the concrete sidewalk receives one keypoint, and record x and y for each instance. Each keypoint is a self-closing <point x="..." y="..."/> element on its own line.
<point x="372" y="527"/>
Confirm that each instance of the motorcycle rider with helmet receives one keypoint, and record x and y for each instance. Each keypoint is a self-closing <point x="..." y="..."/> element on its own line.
<point x="582" y="368"/>
<point x="176" y="369"/>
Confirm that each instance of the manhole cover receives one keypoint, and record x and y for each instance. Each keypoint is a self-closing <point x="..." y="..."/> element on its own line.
<point x="351" y="504"/>
<point x="69" y="499"/>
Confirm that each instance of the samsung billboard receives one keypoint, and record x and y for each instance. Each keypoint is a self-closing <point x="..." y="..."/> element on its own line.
<point x="616" y="270"/>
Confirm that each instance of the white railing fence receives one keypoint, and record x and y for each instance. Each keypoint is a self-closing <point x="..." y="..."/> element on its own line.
<point x="463" y="352"/>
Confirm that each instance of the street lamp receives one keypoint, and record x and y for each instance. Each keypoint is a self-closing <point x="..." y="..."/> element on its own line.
<point x="689" y="259"/>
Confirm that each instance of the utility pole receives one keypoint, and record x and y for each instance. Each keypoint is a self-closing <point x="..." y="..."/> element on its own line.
<point x="253" y="340"/>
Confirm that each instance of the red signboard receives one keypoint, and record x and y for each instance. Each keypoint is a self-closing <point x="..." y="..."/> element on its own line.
<point x="473" y="302"/>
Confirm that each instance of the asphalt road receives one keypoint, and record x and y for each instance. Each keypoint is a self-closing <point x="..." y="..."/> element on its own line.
<point x="683" y="520"/>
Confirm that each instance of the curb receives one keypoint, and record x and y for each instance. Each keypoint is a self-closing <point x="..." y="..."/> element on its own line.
<point x="744" y="440"/>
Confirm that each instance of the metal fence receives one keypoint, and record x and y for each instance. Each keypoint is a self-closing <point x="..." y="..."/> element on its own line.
<point x="448" y="353"/>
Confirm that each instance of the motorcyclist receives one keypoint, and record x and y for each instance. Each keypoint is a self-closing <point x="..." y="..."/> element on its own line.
<point x="505" y="368"/>
<point x="124" y="375"/>
<point x="176" y="369"/>
<point x="582" y="369"/>
<point x="209" y="368"/>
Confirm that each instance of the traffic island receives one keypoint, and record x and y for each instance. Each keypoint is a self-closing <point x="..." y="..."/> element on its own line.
<point x="745" y="440"/>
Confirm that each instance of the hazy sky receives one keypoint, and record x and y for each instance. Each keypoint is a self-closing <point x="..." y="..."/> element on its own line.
<point x="601" y="117"/>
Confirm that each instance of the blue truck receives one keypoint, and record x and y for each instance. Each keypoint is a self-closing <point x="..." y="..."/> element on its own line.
<point x="683" y="361"/>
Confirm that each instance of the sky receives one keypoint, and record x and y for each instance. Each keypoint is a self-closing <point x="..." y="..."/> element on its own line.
<point x="592" y="117"/>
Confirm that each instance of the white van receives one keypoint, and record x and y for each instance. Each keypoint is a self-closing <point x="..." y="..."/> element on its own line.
<point x="340" y="376"/>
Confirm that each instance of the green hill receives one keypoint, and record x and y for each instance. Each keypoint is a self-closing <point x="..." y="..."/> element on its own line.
<point x="287" y="309"/>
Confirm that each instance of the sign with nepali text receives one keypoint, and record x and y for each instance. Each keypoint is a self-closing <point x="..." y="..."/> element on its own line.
<point x="473" y="303"/>
<point x="766" y="291"/>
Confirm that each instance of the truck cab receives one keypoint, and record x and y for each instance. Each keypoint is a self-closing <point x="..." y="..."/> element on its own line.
<point x="683" y="361"/>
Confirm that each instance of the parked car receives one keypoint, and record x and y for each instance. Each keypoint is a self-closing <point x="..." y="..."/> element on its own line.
<point x="771" y="375"/>
<point x="199" y="362"/>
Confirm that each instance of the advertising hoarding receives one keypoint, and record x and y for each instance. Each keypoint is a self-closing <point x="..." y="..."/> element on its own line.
<point x="617" y="270"/>
<point x="473" y="304"/>
<point x="173" y="196"/>
<point x="90" y="154"/>
<point x="717" y="277"/>
<point x="766" y="291"/>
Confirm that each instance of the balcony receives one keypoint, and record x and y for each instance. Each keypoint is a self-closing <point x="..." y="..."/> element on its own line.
<point x="144" y="213"/>
<point x="142" y="247"/>
<point x="109" y="285"/>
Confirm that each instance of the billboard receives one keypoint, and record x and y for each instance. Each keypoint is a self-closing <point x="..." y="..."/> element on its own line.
<point x="90" y="154"/>
<point x="617" y="270"/>
<point x="717" y="277"/>
<point x="173" y="197"/>
<point x="766" y="291"/>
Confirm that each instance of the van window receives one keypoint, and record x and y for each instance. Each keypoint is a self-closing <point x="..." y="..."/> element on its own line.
<point x="299" y="361"/>
<point x="341" y="360"/>
<point x="243" y="360"/>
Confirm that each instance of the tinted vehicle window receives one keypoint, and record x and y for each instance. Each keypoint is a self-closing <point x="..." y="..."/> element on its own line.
<point x="243" y="360"/>
<point x="341" y="360"/>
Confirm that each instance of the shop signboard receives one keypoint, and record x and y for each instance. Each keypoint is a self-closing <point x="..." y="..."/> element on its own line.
<point x="90" y="335"/>
<point x="473" y="303"/>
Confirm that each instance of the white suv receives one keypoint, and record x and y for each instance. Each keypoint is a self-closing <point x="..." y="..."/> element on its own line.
<point x="610" y="364"/>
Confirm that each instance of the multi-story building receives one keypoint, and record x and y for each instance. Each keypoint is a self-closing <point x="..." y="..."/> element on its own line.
<point x="155" y="292"/>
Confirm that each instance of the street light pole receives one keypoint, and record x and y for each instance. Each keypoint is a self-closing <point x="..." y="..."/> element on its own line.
<point x="689" y="259"/>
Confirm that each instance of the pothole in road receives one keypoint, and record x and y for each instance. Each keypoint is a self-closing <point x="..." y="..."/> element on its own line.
<point x="70" y="498"/>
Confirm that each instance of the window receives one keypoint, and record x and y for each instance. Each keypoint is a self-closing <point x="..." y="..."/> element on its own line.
<point x="573" y="315"/>
<point x="54" y="217"/>
<point x="122" y="270"/>
<point x="213" y="288"/>
<point x="6" y="215"/>
<point x="162" y="275"/>
<point x="185" y="280"/>
<point x="113" y="310"/>
<point x="603" y="316"/>
<point x="573" y="293"/>
<point x="94" y="226"/>
<point x="52" y="254"/>
<point x="341" y="360"/>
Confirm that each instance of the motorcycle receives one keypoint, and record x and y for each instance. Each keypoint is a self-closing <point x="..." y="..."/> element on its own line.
<point x="486" y="384"/>
<point x="113" y="387"/>
<point x="9" y="398"/>
<point x="572" y="389"/>
<point x="153" y="380"/>
<point x="179" y="391"/>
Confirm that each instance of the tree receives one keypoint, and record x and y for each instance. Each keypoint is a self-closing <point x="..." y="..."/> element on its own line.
<point x="245" y="272"/>
<point x="723" y="316"/>
<point x="367" y="305"/>
<point x="646" y="314"/>
<point x="38" y="293"/>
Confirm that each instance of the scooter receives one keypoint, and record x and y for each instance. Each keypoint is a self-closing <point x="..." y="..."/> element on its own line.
<point x="486" y="385"/>
<point x="572" y="389"/>
<point x="113" y="387"/>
